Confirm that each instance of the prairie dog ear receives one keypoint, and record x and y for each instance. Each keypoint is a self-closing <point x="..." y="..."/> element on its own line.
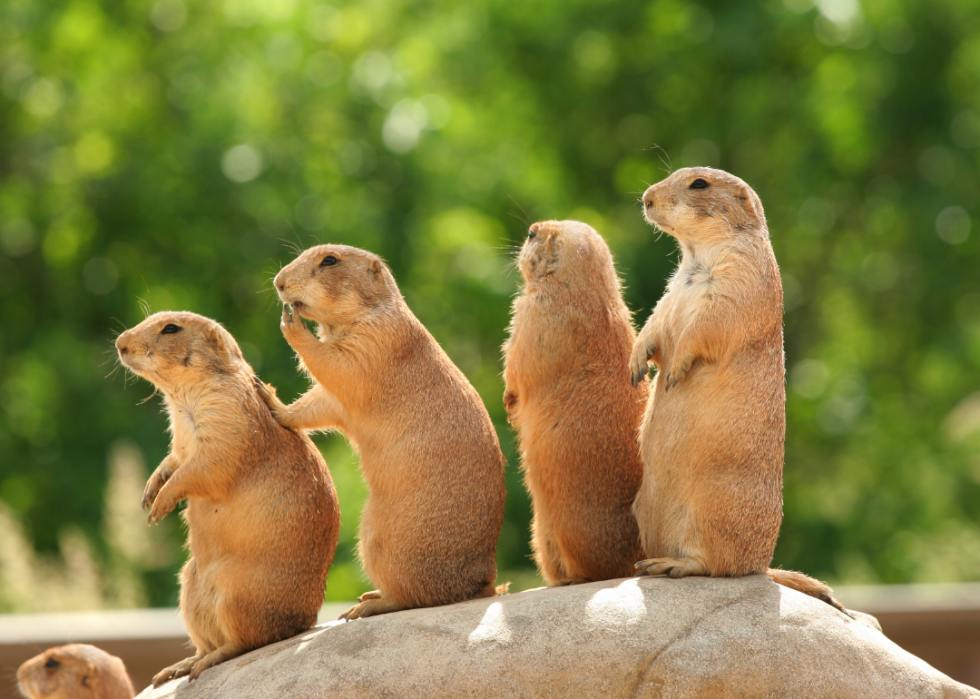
<point x="750" y="202"/>
<point x="374" y="267"/>
<point x="90" y="678"/>
<point x="213" y="337"/>
<point x="218" y="339"/>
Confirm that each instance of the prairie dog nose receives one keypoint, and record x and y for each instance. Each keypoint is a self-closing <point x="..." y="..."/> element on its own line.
<point x="648" y="198"/>
<point x="121" y="346"/>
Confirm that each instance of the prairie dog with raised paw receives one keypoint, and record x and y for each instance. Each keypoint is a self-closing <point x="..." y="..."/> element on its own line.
<point x="428" y="451"/>
<point x="568" y="395"/>
<point x="713" y="435"/>
<point x="262" y="513"/>
<point x="75" y="671"/>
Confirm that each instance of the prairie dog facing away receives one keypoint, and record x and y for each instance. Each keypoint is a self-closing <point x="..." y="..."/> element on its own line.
<point x="75" y="671"/>
<point x="262" y="512"/>
<point x="428" y="451"/>
<point x="713" y="435"/>
<point x="568" y="395"/>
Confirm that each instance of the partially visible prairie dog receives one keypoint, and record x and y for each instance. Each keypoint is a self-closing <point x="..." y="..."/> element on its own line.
<point x="75" y="671"/>
<point x="713" y="436"/>
<point x="427" y="448"/>
<point x="568" y="395"/>
<point x="262" y="513"/>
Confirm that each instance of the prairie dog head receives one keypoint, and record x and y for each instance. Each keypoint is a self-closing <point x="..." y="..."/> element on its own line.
<point x="702" y="205"/>
<point x="567" y="252"/>
<point x="75" y="671"/>
<point x="176" y="348"/>
<point x="335" y="284"/>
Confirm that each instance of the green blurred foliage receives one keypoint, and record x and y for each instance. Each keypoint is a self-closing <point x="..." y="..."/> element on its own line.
<point x="176" y="151"/>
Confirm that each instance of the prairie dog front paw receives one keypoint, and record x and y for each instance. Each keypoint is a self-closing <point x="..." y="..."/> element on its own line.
<point x="643" y="351"/>
<point x="679" y="367"/>
<point x="163" y="505"/>
<point x="157" y="480"/>
<point x="510" y="403"/>
<point x="268" y="395"/>
<point x="293" y="328"/>
<point x="280" y="411"/>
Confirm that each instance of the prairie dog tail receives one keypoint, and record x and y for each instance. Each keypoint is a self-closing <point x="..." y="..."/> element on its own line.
<point x="806" y="585"/>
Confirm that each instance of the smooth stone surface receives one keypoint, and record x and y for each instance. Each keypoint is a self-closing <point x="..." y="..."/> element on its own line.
<point x="640" y="637"/>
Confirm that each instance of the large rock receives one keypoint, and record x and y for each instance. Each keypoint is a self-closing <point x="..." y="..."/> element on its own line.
<point x="649" y="637"/>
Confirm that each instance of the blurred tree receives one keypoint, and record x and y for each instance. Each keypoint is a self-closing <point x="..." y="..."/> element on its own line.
<point x="75" y="578"/>
<point x="173" y="153"/>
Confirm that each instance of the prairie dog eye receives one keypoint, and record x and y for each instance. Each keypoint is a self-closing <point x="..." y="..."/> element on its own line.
<point x="329" y="261"/>
<point x="532" y="234"/>
<point x="699" y="184"/>
<point x="170" y="329"/>
<point x="52" y="662"/>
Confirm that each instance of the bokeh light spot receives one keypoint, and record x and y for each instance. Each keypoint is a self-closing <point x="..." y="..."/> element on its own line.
<point x="243" y="163"/>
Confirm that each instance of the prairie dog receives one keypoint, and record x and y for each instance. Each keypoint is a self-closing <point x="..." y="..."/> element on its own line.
<point x="262" y="512"/>
<point x="75" y="671"/>
<point x="568" y="395"/>
<point x="428" y="451"/>
<point x="713" y="435"/>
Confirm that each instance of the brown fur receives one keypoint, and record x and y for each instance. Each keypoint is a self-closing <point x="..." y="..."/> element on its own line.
<point x="262" y="512"/>
<point x="75" y="671"/>
<point x="568" y="395"/>
<point x="428" y="450"/>
<point x="713" y="436"/>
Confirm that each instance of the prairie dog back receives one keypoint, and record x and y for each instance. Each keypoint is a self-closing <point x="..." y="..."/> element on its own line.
<point x="568" y="396"/>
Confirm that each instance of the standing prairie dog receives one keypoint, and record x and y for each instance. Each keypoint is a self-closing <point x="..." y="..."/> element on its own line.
<point x="568" y="395"/>
<point x="75" y="671"/>
<point x="262" y="512"/>
<point x="427" y="448"/>
<point x="713" y="435"/>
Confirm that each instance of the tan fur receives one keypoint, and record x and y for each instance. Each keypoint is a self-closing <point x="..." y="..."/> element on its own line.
<point x="427" y="448"/>
<point x="713" y="435"/>
<point x="568" y="395"/>
<point x="75" y="671"/>
<point x="262" y="512"/>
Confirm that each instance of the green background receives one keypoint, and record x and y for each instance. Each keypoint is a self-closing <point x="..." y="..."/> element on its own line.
<point x="173" y="154"/>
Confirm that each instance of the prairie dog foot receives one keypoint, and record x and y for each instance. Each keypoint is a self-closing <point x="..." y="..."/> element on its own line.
<point x="175" y="671"/>
<point x="672" y="567"/>
<point x="371" y="604"/>
<point x="565" y="582"/>
<point x="229" y="650"/>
